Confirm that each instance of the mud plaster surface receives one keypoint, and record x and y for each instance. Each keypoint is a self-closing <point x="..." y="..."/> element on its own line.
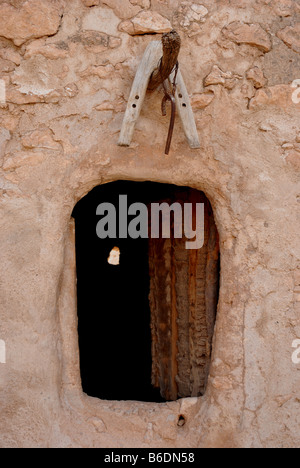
<point x="68" y="77"/>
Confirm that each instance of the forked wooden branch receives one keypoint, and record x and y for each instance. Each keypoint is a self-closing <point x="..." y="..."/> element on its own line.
<point x="157" y="66"/>
<point x="171" y="43"/>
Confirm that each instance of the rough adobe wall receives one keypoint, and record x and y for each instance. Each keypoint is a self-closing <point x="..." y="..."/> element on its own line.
<point x="68" y="73"/>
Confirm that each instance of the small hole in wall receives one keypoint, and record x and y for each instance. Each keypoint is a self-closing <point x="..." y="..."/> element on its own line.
<point x="184" y="105"/>
<point x="180" y="96"/>
<point x="134" y="106"/>
<point x="181" y="421"/>
<point x="137" y="97"/>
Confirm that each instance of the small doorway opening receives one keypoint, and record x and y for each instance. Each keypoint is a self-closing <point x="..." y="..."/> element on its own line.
<point x="146" y="307"/>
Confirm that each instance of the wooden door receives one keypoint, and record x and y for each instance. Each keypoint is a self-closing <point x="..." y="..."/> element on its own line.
<point x="184" y="287"/>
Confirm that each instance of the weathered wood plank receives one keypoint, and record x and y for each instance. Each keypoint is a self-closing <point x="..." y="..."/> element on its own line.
<point x="148" y="64"/>
<point x="185" y="111"/>
<point x="184" y="295"/>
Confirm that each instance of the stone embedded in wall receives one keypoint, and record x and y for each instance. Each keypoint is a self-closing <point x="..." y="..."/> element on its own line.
<point x="22" y="158"/>
<point x="6" y="66"/>
<point x="188" y="14"/>
<point x="124" y="9"/>
<point x="14" y="96"/>
<point x="40" y="77"/>
<point x="114" y="42"/>
<point x="142" y="3"/>
<point x="252" y="34"/>
<point x="279" y="95"/>
<point x="218" y="77"/>
<point x="256" y="75"/>
<point x="91" y="39"/>
<point x="288" y="146"/>
<point x="98" y="424"/>
<point x="49" y="51"/>
<point x="102" y="71"/>
<point x="96" y="42"/>
<point x="105" y="106"/>
<point x="293" y="158"/>
<point x="42" y="138"/>
<point x="146" y="22"/>
<point x="291" y="37"/>
<point x="90" y="3"/>
<point x="222" y="383"/>
<point x="101" y="19"/>
<point x="9" y="122"/>
<point x="34" y="19"/>
<point x="202" y="100"/>
<point x="4" y="138"/>
<point x="118" y="105"/>
<point x="7" y="53"/>
<point x="70" y="90"/>
<point x="283" y="8"/>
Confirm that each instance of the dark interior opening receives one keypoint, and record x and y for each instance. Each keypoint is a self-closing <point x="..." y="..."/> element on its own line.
<point x="114" y="311"/>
